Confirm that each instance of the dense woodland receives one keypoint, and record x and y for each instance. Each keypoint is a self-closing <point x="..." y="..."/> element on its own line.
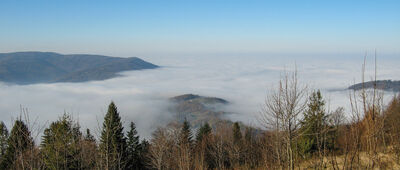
<point x="299" y="132"/>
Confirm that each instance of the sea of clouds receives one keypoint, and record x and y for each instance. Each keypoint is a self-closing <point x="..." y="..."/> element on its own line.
<point x="142" y="96"/>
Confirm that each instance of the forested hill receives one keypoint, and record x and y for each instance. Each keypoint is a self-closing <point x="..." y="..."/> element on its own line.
<point x="198" y="110"/>
<point x="49" y="67"/>
<point x="387" y="85"/>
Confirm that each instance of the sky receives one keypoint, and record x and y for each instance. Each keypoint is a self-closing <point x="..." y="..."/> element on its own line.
<point x="187" y="27"/>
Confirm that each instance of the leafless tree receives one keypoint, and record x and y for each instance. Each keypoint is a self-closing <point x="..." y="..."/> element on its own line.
<point x="368" y="121"/>
<point x="280" y="113"/>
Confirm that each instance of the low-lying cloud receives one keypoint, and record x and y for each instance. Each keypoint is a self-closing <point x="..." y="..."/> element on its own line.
<point x="142" y="96"/>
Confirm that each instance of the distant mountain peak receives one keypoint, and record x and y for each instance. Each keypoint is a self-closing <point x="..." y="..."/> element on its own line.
<point x="32" y="67"/>
<point x="199" y="109"/>
<point x="203" y="99"/>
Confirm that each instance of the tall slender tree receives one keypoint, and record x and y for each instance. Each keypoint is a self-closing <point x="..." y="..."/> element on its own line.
<point x="313" y="124"/>
<point x="237" y="134"/>
<point x="203" y="148"/>
<point x="186" y="134"/>
<point x="237" y="145"/>
<point x="133" y="149"/>
<point x="185" y="147"/>
<point x="3" y="140"/>
<point x="143" y="154"/>
<point x="89" y="152"/>
<point x="61" y="145"/>
<point x="89" y="137"/>
<point x="112" y="140"/>
<point x="203" y="131"/>
<point x="19" y="142"/>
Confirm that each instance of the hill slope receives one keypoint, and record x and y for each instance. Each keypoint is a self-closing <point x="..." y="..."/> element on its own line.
<point x="48" y="67"/>
<point x="198" y="110"/>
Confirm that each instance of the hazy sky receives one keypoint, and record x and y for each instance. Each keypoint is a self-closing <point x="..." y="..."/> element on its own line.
<point x="154" y="27"/>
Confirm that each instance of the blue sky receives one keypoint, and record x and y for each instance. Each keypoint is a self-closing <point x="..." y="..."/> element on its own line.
<point x="153" y="27"/>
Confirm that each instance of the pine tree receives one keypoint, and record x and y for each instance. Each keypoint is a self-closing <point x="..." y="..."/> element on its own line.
<point x="237" y="134"/>
<point x="3" y="140"/>
<point x="60" y="144"/>
<point x="185" y="134"/>
<point x="112" y="141"/>
<point x="89" y="137"/>
<point x="203" y="131"/>
<point x="204" y="154"/>
<point x="185" y="147"/>
<point x="313" y="125"/>
<point x="19" y="142"/>
<point x="143" y="154"/>
<point x="133" y="149"/>
<point x="237" y="145"/>
<point x="89" y="151"/>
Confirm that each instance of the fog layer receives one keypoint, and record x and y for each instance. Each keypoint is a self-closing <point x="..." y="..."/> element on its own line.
<point x="142" y="96"/>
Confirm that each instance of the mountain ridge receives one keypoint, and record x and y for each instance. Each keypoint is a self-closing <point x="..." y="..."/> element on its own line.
<point x="49" y="67"/>
<point x="387" y="85"/>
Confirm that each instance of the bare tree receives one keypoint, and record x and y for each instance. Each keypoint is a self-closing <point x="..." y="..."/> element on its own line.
<point x="158" y="149"/>
<point x="280" y="113"/>
<point x="368" y="121"/>
<point x="164" y="149"/>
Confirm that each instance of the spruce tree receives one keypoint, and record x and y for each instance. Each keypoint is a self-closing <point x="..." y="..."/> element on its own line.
<point x="60" y="144"/>
<point x="133" y="149"/>
<point x="313" y="125"/>
<point x="143" y="154"/>
<point x="203" y="131"/>
<point x="204" y="146"/>
<point x="112" y="141"/>
<point x="19" y="142"/>
<point x="89" y="137"/>
<point x="185" y="134"/>
<point x="237" y="147"/>
<point x="89" y="151"/>
<point x="185" y="147"/>
<point x="237" y="134"/>
<point x="3" y="140"/>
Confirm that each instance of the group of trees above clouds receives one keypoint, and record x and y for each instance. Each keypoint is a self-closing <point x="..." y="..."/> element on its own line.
<point x="299" y="132"/>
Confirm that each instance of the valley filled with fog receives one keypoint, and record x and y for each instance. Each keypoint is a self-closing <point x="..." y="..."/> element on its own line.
<point x="142" y="96"/>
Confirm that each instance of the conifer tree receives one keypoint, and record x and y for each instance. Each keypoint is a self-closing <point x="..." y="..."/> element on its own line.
<point x="186" y="134"/>
<point x="3" y="140"/>
<point x="237" y="134"/>
<point x="89" y="137"/>
<point x="133" y="149"/>
<point x="60" y="144"/>
<point x="204" y="147"/>
<point x="19" y="142"/>
<point x="89" y="152"/>
<point x="143" y="154"/>
<point x="112" y="140"/>
<point x="203" y="131"/>
<point x="237" y="145"/>
<point x="313" y="125"/>
<point x="185" y="147"/>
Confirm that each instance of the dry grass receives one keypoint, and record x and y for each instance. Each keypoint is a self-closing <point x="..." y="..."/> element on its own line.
<point x="385" y="161"/>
